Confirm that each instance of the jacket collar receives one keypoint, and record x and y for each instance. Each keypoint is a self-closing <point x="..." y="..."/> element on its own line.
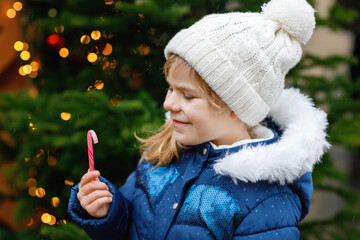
<point x="300" y="147"/>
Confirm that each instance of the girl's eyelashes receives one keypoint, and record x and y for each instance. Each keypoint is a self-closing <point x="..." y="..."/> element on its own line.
<point x="188" y="97"/>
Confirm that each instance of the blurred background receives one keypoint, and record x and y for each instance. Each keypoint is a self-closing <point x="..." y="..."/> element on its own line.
<point x="67" y="66"/>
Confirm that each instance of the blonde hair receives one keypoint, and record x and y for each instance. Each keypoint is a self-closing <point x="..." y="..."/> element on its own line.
<point x="161" y="148"/>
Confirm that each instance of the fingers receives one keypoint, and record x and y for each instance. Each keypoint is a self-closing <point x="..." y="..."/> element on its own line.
<point x="91" y="198"/>
<point x="88" y="177"/>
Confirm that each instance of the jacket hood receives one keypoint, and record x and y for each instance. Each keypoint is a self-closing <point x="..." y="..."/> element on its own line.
<point x="299" y="148"/>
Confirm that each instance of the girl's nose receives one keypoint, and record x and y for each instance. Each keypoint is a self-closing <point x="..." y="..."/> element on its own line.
<point x="171" y="104"/>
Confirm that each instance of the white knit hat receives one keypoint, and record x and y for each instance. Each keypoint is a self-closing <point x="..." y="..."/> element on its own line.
<point x="244" y="57"/>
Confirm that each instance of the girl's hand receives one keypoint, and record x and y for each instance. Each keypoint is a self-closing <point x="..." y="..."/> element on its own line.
<point x="94" y="196"/>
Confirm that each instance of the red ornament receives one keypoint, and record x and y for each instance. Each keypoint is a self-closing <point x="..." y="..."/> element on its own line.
<point x="56" y="40"/>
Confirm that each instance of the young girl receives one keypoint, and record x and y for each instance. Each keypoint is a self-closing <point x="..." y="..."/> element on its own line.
<point x="233" y="159"/>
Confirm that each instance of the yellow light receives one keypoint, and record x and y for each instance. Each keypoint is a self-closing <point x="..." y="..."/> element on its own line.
<point x="59" y="29"/>
<point x="31" y="124"/>
<point x="40" y="192"/>
<point x="144" y="49"/>
<point x="18" y="6"/>
<point x="68" y="182"/>
<point x="53" y="220"/>
<point x="55" y="201"/>
<point x="109" y="2"/>
<point x="92" y="57"/>
<point x="31" y="182"/>
<point x="18" y="46"/>
<point x="25" y="55"/>
<point x="85" y="39"/>
<point x="64" y="52"/>
<point x="21" y="71"/>
<point x="34" y="66"/>
<point x="52" y="12"/>
<point x="96" y="35"/>
<point x="52" y="160"/>
<point x="32" y="191"/>
<point x="27" y="159"/>
<point x="108" y="49"/>
<point x="27" y="69"/>
<point x="30" y="222"/>
<point x="39" y="153"/>
<point x="99" y="85"/>
<point x="26" y="46"/>
<point x="65" y="116"/>
<point x="46" y="218"/>
<point x="33" y="74"/>
<point x="11" y="13"/>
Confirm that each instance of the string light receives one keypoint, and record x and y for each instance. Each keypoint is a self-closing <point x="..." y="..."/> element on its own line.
<point x="46" y="218"/>
<point x="52" y="161"/>
<point x="99" y="85"/>
<point x="25" y="55"/>
<point x="52" y="12"/>
<point x="32" y="191"/>
<point x="18" y="46"/>
<point x="92" y="57"/>
<point x="31" y="182"/>
<point x="17" y="6"/>
<point x="27" y="69"/>
<point x="59" y="29"/>
<point x="11" y="13"/>
<point x="65" y="116"/>
<point x="95" y="35"/>
<point x="21" y="71"/>
<point x="55" y="201"/>
<point x="108" y="49"/>
<point x="64" y="52"/>
<point x="85" y="39"/>
<point x="40" y="192"/>
<point x="68" y="182"/>
<point x="109" y="2"/>
<point x="34" y="66"/>
<point x="30" y="222"/>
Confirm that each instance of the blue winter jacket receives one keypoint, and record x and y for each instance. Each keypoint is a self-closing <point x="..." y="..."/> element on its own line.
<point x="254" y="190"/>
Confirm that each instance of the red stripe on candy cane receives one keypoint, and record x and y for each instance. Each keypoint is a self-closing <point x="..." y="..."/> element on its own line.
<point x="91" y="135"/>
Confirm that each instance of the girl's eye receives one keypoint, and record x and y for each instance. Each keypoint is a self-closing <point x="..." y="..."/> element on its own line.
<point x="169" y="89"/>
<point x="188" y="97"/>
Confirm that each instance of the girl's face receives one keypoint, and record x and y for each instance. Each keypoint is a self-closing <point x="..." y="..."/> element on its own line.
<point x="194" y="121"/>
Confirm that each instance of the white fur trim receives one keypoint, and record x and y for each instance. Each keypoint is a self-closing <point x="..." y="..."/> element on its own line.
<point x="301" y="146"/>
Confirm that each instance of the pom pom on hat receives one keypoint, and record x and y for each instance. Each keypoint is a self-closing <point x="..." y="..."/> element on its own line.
<point x="296" y="17"/>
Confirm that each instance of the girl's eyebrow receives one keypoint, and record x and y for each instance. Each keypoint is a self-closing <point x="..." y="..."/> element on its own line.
<point x="182" y="88"/>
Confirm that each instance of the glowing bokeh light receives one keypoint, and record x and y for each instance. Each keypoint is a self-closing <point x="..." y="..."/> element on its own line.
<point x="68" y="182"/>
<point x="53" y="220"/>
<point x="55" y="201"/>
<point x="21" y="71"/>
<point x="32" y="191"/>
<point x="27" y="69"/>
<point x="18" y="46"/>
<point x="46" y="218"/>
<point x="31" y="182"/>
<point x="25" y="55"/>
<point x="34" y="93"/>
<point x="35" y="66"/>
<point x="30" y="222"/>
<point x="65" y="116"/>
<point x="52" y="161"/>
<point x="52" y="12"/>
<point x="33" y="74"/>
<point x="109" y="2"/>
<point x="85" y="39"/>
<point x="96" y="35"/>
<point x="27" y="159"/>
<point x="64" y="52"/>
<point x="108" y="49"/>
<point x="99" y="85"/>
<point x="59" y="29"/>
<point x="40" y="192"/>
<point x="17" y="6"/>
<point x="11" y="13"/>
<point x="92" y="57"/>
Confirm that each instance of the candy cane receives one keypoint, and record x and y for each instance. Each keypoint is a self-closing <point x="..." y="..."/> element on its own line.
<point x="91" y="135"/>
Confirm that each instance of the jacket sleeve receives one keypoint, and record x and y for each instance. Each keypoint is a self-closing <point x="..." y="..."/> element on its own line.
<point x="115" y="224"/>
<point x="276" y="217"/>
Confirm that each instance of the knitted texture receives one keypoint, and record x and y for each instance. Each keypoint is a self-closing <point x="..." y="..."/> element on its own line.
<point x="244" y="57"/>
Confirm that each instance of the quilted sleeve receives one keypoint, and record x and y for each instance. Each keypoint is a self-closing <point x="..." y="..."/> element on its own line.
<point x="113" y="226"/>
<point x="276" y="217"/>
